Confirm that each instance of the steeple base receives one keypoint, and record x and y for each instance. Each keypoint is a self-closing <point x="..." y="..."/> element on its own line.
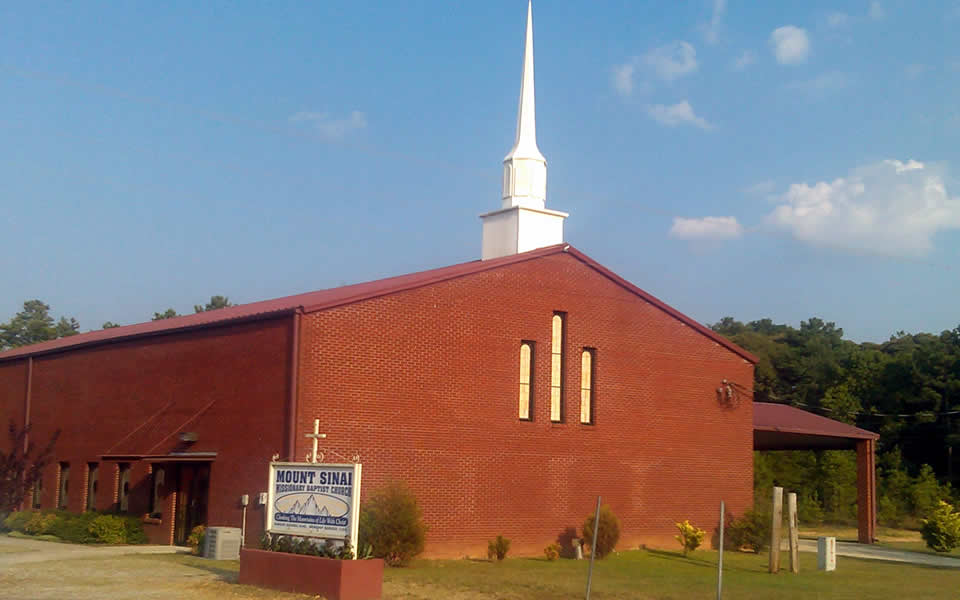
<point x="520" y="229"/>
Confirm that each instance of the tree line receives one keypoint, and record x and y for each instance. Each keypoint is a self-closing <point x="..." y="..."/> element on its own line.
<point x="35" y="324"/>
<point x="907" y="389"/>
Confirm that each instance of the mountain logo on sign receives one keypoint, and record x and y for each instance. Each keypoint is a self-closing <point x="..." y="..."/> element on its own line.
<point x="314" y="505"/>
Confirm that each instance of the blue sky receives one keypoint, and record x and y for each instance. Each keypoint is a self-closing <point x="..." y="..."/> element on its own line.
<point x="746" y="159"/>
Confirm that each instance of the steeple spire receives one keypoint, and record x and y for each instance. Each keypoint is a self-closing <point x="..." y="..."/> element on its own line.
<point x="526" y="142"/>
<point x="523" y="221"/>
<point x="524" y="168"/>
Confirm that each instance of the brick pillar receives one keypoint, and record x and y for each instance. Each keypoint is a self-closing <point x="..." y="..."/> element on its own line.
<point x="866" y="491"/>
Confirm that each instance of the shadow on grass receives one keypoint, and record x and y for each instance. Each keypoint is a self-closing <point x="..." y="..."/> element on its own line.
<point x="693" y="560"/>
<point x="224" y="570"/>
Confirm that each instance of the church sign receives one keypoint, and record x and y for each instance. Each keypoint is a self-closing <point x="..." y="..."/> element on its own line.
<point x="314" y="500"/>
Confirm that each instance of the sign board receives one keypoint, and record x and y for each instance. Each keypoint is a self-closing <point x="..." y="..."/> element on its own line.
<point x="314" y="500"/>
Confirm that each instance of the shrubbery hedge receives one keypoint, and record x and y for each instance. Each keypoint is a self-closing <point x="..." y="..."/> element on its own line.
<point x="80" y="528"/>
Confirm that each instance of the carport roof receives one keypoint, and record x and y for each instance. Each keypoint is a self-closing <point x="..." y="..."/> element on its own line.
<point x="784" y="427"/>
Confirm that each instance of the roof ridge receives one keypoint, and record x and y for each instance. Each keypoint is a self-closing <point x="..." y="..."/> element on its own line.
<point x="348" y="294"/>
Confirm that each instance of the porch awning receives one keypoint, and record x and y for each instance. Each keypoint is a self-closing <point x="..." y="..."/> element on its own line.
<point x="783" y="427"/>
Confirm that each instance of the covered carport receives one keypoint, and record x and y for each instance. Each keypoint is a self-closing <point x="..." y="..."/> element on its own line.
<point x="783" y="427"/>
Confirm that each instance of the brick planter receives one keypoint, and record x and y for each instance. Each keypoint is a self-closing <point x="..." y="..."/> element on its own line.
<point x="332" y="579"/>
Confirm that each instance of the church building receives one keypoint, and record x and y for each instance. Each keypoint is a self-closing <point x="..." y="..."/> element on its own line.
<point x="507" y="392"/>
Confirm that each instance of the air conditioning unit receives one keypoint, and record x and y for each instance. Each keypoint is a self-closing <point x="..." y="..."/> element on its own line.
<point x="222" y="543"/>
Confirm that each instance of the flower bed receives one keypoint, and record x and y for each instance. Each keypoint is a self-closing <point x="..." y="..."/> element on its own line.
<point x="331" y="578"/>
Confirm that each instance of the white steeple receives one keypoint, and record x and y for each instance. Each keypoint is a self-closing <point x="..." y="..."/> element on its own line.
<point x="523" y="222"/>
<point x="525" y="168"/>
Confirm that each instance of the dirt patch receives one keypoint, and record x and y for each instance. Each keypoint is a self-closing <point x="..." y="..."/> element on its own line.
<point x="125" y="578"/>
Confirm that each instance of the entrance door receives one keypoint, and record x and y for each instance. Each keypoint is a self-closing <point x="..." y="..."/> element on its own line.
<point x="193" y="486"/>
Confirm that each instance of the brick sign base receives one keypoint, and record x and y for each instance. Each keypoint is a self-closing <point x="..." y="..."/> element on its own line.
<point x="332" y="579"/>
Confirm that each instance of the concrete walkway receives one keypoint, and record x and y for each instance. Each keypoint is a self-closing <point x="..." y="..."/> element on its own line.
<point x="873" y="552"/>
<point x="16" y="551"/>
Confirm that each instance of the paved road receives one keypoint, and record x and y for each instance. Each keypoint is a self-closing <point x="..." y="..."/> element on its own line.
<point x="854" y="550"/>
<point x="15" y="551"/>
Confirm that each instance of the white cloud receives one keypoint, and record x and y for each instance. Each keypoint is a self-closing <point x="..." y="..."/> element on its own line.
<point x="711" y="30"/>
<point x="329" y="127"/>
<point x="903" y="167"/>
<point x="672" y="61"/>
<point x="876" y="11"/>
<point x="790" y="45"/>
<point x="821" y="85"/>
<point x="891" y="207"/>
<point x="706" y="228"/>
<point x="744" y="60"/>
<point x="836" y="20"/>
<point x="623" y="78"/>
<point x="677" y="114"/>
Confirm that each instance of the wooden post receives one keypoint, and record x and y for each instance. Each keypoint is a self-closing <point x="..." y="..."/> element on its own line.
<point x="775" y="529"/>
<point x="793" y="533"/>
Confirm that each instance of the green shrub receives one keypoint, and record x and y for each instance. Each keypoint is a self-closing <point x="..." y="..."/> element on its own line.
<point x="196" y="538"/>
<point x="751" y="531"/>
<point x="285" y="543"/>
<point x="941" y="530"/>
<point x="552" y="552"/>
<point x="3" y="518"/>
<point x="498" y="548"/>
<point x="16" y="521"/>
<point x="608" y="533"/>
<point x="133" y="529"/>
<point x="108" y="529"/>
<point x="40" y="523"/>
<point x="391" y="523"/>
<point x="690" y="536"/>
<point x="74" y="527"/>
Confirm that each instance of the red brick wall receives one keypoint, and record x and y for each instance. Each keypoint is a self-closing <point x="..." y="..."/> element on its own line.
<point x="228" y="384"/>
<point x="424" y="385"/>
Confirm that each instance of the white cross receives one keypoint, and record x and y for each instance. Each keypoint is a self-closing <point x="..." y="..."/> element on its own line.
<point x="316" y="436"/>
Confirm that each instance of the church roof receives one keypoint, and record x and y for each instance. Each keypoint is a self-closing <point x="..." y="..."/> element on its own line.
<point x="784" y="427"/>
<point x="329" y="298"/>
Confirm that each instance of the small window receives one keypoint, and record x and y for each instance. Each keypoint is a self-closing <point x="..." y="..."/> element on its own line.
<point x="37" y="491"/>
<point x="586" y="385"/>
<point x="64" y="492"/>
<point x="526" y="377"/>
<point x="123" y="487"/>
<point x="92" y="484"/>
<point x="556" y="368"/>
<point x="158" y="477"/>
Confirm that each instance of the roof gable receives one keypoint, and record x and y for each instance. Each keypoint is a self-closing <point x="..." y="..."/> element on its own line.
<point x="329" y="298"/>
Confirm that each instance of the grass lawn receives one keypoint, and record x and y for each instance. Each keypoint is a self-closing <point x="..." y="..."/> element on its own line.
<point x="845" y="533"/>
<point x="647" y="574"/>
<point x="920" y="547"/>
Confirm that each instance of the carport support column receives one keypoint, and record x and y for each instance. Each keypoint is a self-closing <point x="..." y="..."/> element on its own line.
<point x="866" y="491"/>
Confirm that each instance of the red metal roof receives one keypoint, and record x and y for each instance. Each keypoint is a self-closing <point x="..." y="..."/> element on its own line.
<point x="791" y="423"/>
<point x="323" y="299"/>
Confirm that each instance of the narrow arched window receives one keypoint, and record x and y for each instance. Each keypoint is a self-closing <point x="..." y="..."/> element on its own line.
<point x="526" y="372"/>
<point x="556" y="369"/>
<point x="123" y="486"/>
<point x="586" y="386"/>
<point x="64" y="490"/>
<point x="92" y="471"/>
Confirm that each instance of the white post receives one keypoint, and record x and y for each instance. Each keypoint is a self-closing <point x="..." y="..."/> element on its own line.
<point x="827" y="553"/>
<point x="793" y="532"/>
